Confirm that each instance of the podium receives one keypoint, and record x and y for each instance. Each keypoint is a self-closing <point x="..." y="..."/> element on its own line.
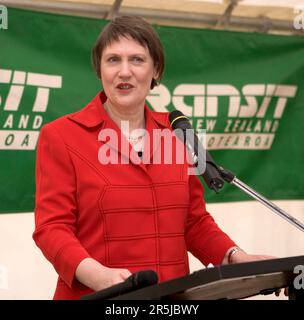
<point x="227" y="282"/>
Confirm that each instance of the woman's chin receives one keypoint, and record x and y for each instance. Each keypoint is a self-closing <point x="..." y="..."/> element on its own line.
<point x="127" y="102"/>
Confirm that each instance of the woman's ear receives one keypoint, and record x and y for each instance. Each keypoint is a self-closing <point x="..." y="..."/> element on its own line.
<point x="155" y="74"/>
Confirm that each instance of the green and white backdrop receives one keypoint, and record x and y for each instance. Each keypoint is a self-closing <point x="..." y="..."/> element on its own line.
<point x="245" y="89"/>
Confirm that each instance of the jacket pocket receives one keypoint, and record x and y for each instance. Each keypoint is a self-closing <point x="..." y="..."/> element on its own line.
<point x="129" y="225"/>
<point x="144" y="224"/>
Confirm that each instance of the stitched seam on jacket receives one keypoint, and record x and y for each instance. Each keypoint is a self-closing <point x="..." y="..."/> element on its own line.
<point x="156" y="222"/>
<point x="101" y="211"/>
<point x="103" y="220"/>
<point x="147" y="263"/>
<point x="80" y="156"/>
<point x="146" y="236"/>
<point x="126" y="210"/>
<point x="159" y="184"/>
<point x="69" y="244"/>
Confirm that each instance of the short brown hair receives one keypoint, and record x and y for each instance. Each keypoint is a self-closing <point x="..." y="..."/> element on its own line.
<point x="139" y="30"/>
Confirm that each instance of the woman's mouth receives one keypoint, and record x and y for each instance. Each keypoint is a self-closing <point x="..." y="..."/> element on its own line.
<point x="124" y="86"/>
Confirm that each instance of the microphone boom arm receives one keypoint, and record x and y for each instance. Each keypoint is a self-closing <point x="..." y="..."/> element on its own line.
<point x="214" y="175"/>
<point x="232" y="179"/>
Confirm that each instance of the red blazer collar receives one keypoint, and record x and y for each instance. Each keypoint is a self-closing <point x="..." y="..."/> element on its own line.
<point x="94" y="114"/>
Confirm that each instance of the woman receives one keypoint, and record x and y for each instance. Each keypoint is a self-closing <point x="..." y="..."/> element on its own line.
<point x="98" y="223"/>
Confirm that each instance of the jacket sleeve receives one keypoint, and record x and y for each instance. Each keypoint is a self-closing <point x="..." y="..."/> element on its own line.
<point x="204" y="239"/>
<point x="56" y="208"/>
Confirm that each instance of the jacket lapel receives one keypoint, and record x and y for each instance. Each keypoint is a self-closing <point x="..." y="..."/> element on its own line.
<point x="94" y="115"/>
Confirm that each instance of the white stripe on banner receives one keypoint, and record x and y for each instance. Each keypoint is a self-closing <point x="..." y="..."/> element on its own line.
<point x="18" y="140"/>
<point x="250" y="141"/>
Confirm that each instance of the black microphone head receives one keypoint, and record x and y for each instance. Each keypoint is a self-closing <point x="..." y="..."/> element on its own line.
<point x="179" y="121"/>
<point x="202" y="159"/>
<point x="145" y="278"/>
<point x="174" y="114"/>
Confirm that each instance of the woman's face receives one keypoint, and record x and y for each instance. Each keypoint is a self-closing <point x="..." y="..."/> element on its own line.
<point x="127" y="70"/>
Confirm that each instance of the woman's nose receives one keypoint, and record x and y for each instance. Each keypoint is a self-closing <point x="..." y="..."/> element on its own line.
<point x="125" y="70"/>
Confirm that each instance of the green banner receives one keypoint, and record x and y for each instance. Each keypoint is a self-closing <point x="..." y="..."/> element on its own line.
<point x="246" y="89"/>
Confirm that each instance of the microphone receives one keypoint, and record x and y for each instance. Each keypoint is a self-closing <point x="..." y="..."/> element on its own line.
<point x="184" y="131"/>
<point x="136" y="281"/>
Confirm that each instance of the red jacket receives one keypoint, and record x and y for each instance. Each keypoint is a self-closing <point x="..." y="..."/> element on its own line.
<point x="134" y="216"/>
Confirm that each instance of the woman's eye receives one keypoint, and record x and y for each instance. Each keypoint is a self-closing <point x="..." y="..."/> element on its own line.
<point x="138" y="59"/>
<point x="113" y="59"/>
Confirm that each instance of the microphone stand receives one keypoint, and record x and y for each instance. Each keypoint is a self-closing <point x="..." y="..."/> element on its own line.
<point x="232" y="179"/>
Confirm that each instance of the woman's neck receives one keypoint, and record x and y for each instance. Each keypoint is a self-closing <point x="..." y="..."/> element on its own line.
<point x="134" y="117"/>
